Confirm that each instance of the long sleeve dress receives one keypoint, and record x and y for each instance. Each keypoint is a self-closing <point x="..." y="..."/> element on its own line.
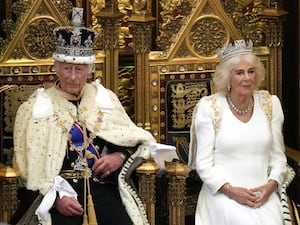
<point x="243" y="154"/>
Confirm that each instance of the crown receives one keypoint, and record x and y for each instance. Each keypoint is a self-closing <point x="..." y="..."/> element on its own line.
<point x="240" y="47"/>
<point x="75" y="43"/>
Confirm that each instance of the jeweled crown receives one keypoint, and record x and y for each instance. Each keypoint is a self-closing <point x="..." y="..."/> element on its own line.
<point x="75" y="43"/>
<point x="240" y="47"/>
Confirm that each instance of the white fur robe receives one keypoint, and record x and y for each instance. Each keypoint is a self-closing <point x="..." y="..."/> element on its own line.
<point x="41" y="132"/>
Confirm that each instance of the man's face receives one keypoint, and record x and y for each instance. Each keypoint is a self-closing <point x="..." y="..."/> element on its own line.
<point x="72" y="77"/>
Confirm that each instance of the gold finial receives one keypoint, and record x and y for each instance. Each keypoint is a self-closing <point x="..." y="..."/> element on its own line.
<point x="8" y="172"/>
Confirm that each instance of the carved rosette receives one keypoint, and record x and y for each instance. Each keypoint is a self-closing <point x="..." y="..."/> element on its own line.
<point x="207" y="34"/>
<point x="39" y="40"/>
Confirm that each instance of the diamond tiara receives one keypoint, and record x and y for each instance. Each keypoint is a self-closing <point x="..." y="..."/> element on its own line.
<point x="240" y="47"/>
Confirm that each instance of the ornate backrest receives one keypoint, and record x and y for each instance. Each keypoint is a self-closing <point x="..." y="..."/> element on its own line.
<point x="25" y="64"/>
<point x="180" y="74"/>
<point x="26" y="58"/>
<point x="167" y="83"/>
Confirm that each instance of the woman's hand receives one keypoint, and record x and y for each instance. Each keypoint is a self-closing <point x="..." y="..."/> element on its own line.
<point x="264" y="192"/>
<point x="242" y="195"/>
<point x="68" y="206"/>
<point x="254" y="197"/>
<point x="108" y="164"/>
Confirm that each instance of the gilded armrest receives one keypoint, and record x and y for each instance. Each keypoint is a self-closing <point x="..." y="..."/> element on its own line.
<point x="177" y="174"/>
<point x="147" y="174"/>
<point x="8" y="192"/>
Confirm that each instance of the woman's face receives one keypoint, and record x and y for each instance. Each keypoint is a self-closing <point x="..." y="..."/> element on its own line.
<point x="72" y="77"/>
<point x="242" y="78"/>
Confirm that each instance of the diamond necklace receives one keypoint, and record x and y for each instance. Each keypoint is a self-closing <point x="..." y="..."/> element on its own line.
<point x="235" y="108"/>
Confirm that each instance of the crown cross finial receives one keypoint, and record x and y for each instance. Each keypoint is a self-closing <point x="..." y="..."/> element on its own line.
<point x="240" y="47"/>
<point x="77" y="15"/>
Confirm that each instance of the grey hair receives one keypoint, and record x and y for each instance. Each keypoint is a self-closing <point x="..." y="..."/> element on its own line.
<point x="221" y="77"/>
<point x="90" y="67"/>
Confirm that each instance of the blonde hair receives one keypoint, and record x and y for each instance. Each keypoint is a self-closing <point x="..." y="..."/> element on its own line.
<point x="221" y="77"/>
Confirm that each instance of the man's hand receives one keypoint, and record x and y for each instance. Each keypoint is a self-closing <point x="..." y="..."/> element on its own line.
<point x="68" y="206"/>
<point x="108" y="164"/>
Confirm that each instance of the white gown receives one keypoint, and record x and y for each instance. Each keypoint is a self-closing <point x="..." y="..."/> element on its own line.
<point x="242" y="155"/>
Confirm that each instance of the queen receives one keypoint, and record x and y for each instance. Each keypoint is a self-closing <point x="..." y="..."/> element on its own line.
<point x="237" y="145"/>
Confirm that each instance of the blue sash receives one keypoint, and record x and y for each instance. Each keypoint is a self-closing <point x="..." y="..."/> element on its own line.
<point x="77" y="139"/>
